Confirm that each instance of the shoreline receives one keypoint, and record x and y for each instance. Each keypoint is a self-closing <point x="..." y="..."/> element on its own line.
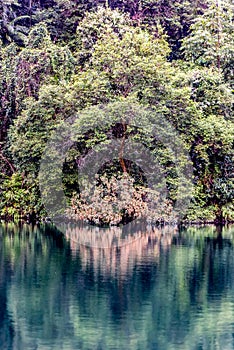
<point x="47" y="220"/>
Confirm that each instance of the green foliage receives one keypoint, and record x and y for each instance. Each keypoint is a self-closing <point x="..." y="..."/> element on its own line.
<point x="97" y="25"/>
<point x="19" y="197"/>
<point x="211" y="40"/>
<point x="175" y="16"/>
<point x="119" y="53"/>
<point x="210" y="92"/>
<point x="135" y="64"/>
<point x="41" y="61"/>
<point x="212" y="154"/>
<point x="33" y="127"/>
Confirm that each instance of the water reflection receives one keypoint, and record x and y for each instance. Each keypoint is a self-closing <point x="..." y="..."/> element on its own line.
<point x="6" y="327"/>
<point x="155" y="289"/>
<point x="115" y="251"/>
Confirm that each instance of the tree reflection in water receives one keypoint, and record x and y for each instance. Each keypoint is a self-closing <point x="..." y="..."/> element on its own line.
<point x="156" y="289"/>
<point x="116" y="251"/>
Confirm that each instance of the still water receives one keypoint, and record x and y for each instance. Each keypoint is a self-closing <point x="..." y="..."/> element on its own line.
<point x="154" y="289"/>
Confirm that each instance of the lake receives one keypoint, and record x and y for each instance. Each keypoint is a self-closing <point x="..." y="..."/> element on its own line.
<point x="153" y="288"/>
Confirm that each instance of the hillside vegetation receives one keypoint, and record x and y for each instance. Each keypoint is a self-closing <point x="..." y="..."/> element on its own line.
<point x="60" y="59"/>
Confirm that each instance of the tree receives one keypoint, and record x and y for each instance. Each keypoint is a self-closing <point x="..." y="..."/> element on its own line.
<point x="97" y="25"/>
<point x="22" y="72"/>
<point x="211" y="40"/>
<point x="212" y="154"/>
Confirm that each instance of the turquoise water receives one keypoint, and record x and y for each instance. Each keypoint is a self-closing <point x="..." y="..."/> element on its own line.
<point x="151" y="289"/>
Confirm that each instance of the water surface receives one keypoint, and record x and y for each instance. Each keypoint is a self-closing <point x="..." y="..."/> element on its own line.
<point x="155" y="289"/>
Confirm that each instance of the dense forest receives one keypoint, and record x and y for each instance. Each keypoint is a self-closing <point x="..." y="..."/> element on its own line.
<point x="60" y="59"/>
